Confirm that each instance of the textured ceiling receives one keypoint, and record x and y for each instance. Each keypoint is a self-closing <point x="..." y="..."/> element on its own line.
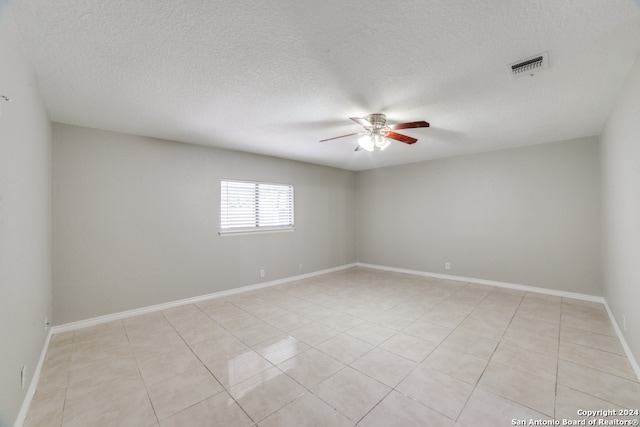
<point x="276" y="77"/>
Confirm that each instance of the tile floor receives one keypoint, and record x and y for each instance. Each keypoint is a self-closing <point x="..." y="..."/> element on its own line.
<point x="356" y="347"/>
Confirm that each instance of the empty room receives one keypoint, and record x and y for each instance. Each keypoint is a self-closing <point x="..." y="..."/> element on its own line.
<point x="260" y="214"/>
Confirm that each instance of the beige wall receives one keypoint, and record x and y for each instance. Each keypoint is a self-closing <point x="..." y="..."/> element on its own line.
<point x="528" y="216"/>
<point x="25" y="221"/>
<point x="620" y="145"/>
<point x="136" y="221"/>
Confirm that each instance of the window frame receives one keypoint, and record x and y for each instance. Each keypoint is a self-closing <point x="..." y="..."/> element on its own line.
<point x="257" y="217"/>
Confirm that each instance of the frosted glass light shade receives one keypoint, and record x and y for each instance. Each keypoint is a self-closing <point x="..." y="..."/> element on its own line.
<point x="382" y="142"/>
<point x="366" y="142"/>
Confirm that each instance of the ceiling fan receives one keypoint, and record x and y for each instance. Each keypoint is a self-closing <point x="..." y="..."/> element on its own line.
<point x="377" y="133"/>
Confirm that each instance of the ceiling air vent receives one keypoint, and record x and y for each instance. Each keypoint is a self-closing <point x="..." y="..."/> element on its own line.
<point x="530" y="66"/>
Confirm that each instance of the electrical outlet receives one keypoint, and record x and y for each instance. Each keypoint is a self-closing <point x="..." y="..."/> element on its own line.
<point x="23" y="376"/>
<point x="261" y="273"/>
<point x="447" y="266"/>
<point x="624" y="323"/>
<point x="300" y="266"/>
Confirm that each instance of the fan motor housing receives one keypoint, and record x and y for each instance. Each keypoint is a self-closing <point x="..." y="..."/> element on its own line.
<point x="377" y="120"/>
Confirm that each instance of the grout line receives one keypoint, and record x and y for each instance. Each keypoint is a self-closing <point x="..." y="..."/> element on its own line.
<point x="475" y="386"/>
<point x="555" y="397"/>
<point x="392" y="389"/>
<point x="135" y="357"/>
<point x="204" y="365"/>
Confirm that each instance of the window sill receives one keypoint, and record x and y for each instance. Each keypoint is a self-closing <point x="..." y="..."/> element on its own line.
<point x="245" y="232"/>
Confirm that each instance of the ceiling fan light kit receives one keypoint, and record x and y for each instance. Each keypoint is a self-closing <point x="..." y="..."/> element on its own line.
<point x="378" y="134"/>
<point x="370" y="141"/>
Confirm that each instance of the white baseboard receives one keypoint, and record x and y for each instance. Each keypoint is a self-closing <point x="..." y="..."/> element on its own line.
<point x="623" y="341"/>
<point x="31" y="391"/>
<point x="564" y="294"/>
<point x="507" y="285"/>
<point x="149" y="309"/>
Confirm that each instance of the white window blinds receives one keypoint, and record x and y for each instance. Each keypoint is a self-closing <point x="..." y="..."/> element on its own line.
<point x="255" y="206"/>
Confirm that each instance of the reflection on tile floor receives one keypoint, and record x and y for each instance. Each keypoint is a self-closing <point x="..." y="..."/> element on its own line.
<point x="355" y="347"/>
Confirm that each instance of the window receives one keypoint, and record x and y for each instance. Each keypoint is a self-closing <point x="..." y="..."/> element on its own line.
<point x="255" y="206"/>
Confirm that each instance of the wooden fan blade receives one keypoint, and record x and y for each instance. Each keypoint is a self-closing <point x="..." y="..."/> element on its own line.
<point x="400" y="137"/>
<point x="409" y="125"/>
<point x="360" y="121"/>
<point x="342" y="136"/>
